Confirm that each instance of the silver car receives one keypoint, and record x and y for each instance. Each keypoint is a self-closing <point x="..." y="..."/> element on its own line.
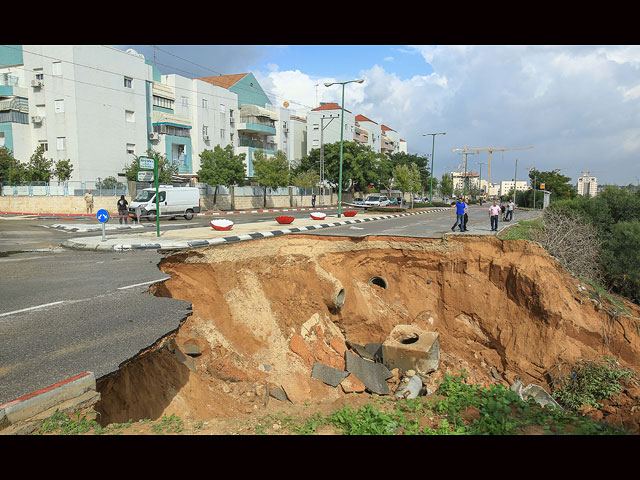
<point x="376" y="201"/>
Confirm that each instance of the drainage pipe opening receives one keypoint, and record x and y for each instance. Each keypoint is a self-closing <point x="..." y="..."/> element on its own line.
<point x="378" y="281"/>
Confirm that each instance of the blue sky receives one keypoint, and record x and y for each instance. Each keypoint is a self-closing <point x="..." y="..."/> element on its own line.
<point x="578" y="106"/>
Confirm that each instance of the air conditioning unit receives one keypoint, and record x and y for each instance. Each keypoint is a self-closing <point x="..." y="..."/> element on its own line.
<point x="206" y="138"/>
<point x="36" y="119"/>
<point x="36" y="83"/>
<point x="154" y="136"/>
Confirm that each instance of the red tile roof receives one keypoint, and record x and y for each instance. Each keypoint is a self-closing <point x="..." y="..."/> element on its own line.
<point x="329" y="106"/>
<point x="362" y="118"/>
<point x="224" y="81"/>
<point x="385" y="128"/>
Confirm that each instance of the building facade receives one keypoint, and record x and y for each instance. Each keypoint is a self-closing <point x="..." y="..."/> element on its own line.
<point x="587" y="186"/>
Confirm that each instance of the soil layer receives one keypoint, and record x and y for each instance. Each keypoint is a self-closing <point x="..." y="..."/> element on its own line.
<point x="265" y="311"/>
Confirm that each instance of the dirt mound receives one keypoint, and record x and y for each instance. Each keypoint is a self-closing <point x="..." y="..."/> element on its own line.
<point x="264" y="311"/>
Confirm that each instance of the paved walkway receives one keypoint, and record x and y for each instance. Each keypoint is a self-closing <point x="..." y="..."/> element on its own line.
<point x="204" y="236"/>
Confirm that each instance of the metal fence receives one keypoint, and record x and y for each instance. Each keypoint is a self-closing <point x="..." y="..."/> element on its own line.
<point x="63" y="189"/>
<point x="78" y="189"/>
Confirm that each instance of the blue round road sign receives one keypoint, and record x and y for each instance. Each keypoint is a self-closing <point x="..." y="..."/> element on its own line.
<point x="102" y="215"/>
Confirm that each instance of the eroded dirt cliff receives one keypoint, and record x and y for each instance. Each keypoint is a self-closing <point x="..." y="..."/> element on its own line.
<point x="264" y="311"/>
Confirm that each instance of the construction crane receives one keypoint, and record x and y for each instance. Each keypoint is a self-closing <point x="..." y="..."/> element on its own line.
<point x="490" y="150"/>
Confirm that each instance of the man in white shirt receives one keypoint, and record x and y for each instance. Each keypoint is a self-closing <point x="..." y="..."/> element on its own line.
<point x="510" y="211"/>
<point x="494" y="214"/>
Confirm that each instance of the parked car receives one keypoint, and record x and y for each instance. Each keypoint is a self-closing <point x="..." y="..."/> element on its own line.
<point x="376" y="201"/>
<point x="393" y="202"/>
<point x="358" y="201"/>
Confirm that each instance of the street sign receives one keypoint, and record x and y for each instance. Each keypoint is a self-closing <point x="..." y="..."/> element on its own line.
<point x="102" y="215"/>
<point x="145" y="163"/>
<point x="145" y="176"/>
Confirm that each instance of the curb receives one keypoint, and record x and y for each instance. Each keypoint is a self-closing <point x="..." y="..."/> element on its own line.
<point x="237" y="238"/>
<point x="77" y="391"/>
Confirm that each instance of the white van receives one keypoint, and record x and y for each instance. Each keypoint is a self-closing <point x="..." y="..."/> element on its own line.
<point x="174" y="202"/>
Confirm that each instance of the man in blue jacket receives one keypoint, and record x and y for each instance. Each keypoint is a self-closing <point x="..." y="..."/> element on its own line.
<point x="460" y="208"/>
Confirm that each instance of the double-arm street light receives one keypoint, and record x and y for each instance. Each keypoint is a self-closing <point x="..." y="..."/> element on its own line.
<point x="341" y="139"/>
<point x="433" y="146"/>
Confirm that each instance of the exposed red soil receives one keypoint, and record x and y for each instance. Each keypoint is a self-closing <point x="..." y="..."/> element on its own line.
<point x="264" y="311"/>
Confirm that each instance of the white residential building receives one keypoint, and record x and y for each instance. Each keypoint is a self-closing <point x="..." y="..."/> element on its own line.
<point x="507" y="186"/>
<point x="587" y="185"/>
<point x="368" y="132"/>
<point x="86" y="103"/>
<point x="327" y="117"/>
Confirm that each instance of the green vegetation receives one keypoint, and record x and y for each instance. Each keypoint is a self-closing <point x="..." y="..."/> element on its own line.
<point x="523" y="230"/>
<point x="590" y="382"/>
<point x="37" y="169"/>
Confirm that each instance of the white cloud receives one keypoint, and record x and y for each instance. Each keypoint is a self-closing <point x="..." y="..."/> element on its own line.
<point x="577" y="105"/>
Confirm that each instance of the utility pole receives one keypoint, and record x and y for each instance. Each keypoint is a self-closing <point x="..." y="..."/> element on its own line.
<point x="515" y="182"/>
<point x="480" y="180"/>
<point x="322" y="127"/>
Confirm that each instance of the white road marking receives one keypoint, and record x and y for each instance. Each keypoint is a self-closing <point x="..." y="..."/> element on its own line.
<point x="31" y="308"/>
<point x="144" y="283"/>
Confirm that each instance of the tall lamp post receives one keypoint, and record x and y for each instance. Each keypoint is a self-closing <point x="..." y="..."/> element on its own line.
<point x="433" y="146"/>
<point x="341" y="138"/>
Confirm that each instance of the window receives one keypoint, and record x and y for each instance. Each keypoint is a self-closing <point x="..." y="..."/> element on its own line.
<point x="222" y="108"/>
<point x="222" y="133"/>
<point x="38" y="74"/>
<point x="316" y="143"/>
<point x="131" y="149"/>
<point x="129" y="116"/>
<point x="315" y="126"/>
<point x="205" y="130"/>
<point x="44" y="144"/>
<point x="162" y="102"/>
<point x="205" y="103"/>
<point x="61" y="143"/>
<point x="185" y="102"/>
<point x="59" y="106"/>
<point x="128" y="82"/>
<point x="57" y="68"/>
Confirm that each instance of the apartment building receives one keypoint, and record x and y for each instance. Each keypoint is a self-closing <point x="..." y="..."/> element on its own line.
<point x="508" y="186"/>
<point x="323" y="125"/>
<point x="85" y="103"/>
<point x="587" y="185"/>
<point x="368" y="132"/>
<point x="459" y="183"/>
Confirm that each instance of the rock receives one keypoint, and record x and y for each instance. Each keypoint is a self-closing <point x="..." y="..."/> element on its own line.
<point x="298" y="346"/>
<point x="373" y="375"/>
<point x="191" y="349"/>
<point x="329" y="375"/>
<point x="352" y="385"/>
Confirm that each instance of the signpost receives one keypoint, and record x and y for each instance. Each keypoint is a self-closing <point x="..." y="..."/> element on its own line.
<point x="148" y="166"/>
<point x="103" y="217"/>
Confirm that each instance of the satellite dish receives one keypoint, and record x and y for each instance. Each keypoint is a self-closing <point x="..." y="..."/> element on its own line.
<point x="285" y="104"/>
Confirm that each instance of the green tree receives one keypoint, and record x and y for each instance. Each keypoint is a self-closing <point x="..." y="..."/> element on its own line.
<point x="270" y="172"/>
<point x="446" y="185"/>
<point x="39" y="168"/>
<point x="9" y="169"/>
<point x="308" y="179"/>
<point x="166" y="169"/>
<point x="621" y="258"/>
<point x="554" y="183"/>
<point x="63" y="170"/>
<point x="110" y="183"/>
<point x="221" y="167"/>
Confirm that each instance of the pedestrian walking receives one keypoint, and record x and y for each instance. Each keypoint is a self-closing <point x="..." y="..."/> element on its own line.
<point x="466" y="213"/>
<point x="503" y="210"/>
<point x="313" y="200"/>
<point x="460" y="208"/>
<point x="494" y="214"/>
<point x="123" y="210"/>
<point x="510" y="208"/>
<point x="88" y="200"/>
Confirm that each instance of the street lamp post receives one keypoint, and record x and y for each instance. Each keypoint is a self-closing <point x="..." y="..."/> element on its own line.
<point x="433" y="146"/>
<point x="341" y="138"/>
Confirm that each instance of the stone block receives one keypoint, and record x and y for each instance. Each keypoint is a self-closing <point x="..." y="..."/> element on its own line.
<point x="329" y="375"/>
<point x="373" y="375"/>
<point x="411" y="348"/>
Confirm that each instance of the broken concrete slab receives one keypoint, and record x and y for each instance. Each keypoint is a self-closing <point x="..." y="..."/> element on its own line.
<point x="372" y="374"/>
<point x="375" y="349"/>
<point x="411" y="348"/>
<point x="329" y="375"/>
<point x="362" y="351"/>
<point x="279" y="394"/>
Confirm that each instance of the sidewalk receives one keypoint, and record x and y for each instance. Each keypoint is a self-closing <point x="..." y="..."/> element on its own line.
<point x="205" y="236"/>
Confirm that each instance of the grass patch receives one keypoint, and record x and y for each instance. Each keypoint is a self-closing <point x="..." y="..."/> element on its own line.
<point x="523" y="230"/>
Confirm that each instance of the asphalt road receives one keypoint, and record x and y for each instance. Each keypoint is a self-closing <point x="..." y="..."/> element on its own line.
<point x="64" y="312"/>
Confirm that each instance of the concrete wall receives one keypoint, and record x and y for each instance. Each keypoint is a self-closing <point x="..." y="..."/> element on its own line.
<point x="68" y="205"/>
